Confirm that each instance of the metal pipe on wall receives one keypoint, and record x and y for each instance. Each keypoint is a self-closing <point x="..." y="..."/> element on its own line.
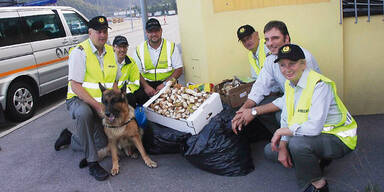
<point x="369" y="10"/>
<point x="341" y="12"/>
<point x="354" y="3"/>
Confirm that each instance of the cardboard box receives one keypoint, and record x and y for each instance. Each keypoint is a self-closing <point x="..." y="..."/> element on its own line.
<point x="235" y="97"/>
<point x="195" y="122"/>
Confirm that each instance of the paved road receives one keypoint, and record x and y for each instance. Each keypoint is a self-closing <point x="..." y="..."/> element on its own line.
<point x="45" y="103"/>
<point x="134" y="35"/>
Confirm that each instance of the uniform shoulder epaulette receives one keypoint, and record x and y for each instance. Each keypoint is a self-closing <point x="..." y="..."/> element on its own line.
<point x="80" y="47"/>
<point x="268" y="54"/>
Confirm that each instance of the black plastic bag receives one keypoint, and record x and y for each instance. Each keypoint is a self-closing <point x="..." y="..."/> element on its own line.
<point x="218" y="150"/>
<point x="158" y="139"/>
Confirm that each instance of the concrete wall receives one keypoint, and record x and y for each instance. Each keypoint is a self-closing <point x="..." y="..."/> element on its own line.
<point x="364" y="65"/>
<point x="212" y="53"/>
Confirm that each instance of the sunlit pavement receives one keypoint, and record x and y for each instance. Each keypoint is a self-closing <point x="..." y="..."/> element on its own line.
<point x="136" y="35"/>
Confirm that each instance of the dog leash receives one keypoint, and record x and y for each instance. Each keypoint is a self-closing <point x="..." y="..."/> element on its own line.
<point x="124" y="124"/>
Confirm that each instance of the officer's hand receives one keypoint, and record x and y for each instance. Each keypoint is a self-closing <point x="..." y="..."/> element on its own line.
<point x="159" y="87"/>
<point x="275" y="140"/>
<point x="236" y="125"/>
<point x="241" y="110"/>
<point x="100" y="110"/>
<point x="149" y="91"/>
<point x="247" y="116"/>
<point x="284" y="157"/>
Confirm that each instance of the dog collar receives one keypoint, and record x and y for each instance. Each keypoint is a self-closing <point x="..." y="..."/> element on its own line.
<point x="124" y="124"/>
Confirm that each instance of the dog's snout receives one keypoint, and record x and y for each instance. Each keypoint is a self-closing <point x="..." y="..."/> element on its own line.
<point x="108" y="114"/>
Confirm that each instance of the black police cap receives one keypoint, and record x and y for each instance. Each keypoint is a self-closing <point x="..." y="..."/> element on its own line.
<point x="290" y="51"/>
<point x="120" y="40"/>
<point x="97" y="23"/>
<point x="152" y="24"/>
<point x="244" y="31"/>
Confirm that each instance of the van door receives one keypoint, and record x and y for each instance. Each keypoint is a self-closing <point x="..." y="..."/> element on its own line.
<point x="50" y="45"/>
<point x="77" y="26"/>
<point x="16" y="55"/>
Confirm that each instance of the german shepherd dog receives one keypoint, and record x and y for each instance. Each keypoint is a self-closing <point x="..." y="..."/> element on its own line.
<point x="120" y="127"/>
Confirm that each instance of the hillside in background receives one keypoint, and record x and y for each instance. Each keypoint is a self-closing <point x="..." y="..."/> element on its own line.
<point x="88" y="9"/>
<point x="91" y="8"/>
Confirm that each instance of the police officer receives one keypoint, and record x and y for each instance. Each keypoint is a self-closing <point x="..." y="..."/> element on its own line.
<point x="158" y="59"/>
<point x="128" y="73"/>
<point x="256" y="46"/>
<point x="315" y="124"/>
<point x="264" y="101"/>
<point x="90" y="62"/>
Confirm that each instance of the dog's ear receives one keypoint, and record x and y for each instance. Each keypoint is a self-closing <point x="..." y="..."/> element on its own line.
<point x="102" y="88"/>
<point x="115" y="85"/>
<point x="123" y="89"/>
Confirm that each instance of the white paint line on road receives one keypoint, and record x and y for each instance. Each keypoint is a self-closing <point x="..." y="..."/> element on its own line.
<point x="2" y="134"/>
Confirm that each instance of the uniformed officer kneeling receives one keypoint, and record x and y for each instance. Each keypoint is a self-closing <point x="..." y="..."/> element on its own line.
<point x="91" y="62"/>
<point x="315" y="125"/>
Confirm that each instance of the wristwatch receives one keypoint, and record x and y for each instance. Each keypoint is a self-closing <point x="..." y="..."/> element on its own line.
<point x="253" y="111"/>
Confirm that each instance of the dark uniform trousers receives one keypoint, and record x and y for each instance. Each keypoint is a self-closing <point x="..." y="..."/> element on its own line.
<point x="306" y="152"/>
<point x="89" y="135"/>
<point x="263" y="126"/>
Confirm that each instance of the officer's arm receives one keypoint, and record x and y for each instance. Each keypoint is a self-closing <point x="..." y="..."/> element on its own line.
<point x="78" y="89"/>
<point x="143" y="82"/>
<point x="266" y="108"/>
<point x="176" y="74"/>
<point x="249" y="103"/>
<point x="147" y="88"/>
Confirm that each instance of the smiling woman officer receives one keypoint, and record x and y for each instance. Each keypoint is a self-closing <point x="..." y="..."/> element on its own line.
<point x="128" y="73"/>
<point x="315" y="125"/>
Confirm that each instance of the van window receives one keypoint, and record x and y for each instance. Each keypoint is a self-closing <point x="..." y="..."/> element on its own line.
<point x="10" y="32"/>
<point x="76" y="23"/>
<point x="44" y="27"/>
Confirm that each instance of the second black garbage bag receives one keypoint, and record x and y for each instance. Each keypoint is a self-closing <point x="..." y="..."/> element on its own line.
<point x="218" y="150"/>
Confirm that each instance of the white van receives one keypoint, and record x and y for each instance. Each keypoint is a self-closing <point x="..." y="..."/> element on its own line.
<point x="34" y="46"/>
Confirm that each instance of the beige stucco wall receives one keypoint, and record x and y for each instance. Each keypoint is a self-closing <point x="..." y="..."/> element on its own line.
<point x="212" y="53"/>
<point x="364" y="65"/>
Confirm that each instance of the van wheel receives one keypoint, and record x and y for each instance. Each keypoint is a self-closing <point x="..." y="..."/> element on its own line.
<point x="21" y="101"/>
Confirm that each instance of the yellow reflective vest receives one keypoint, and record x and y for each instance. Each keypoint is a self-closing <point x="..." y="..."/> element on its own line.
<point x="93" y="72"/>
<point x="163" y="69"/>
<point x="261" y="56"/>
<point x="130" y="74"/>
<point x="345" y="130"/>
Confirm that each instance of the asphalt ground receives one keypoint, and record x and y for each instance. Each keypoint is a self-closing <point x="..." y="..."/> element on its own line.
<point x="28" y="162"/>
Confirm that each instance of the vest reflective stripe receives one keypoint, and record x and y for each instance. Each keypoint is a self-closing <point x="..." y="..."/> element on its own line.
<point x="137" y="82"/>
<point x="164" y="66"/>
<point x="345" y="130"/>
<point x="131" y="86"/>
<point x="261" y="56"/>
<point x="94" y="74"/>
<point x="131" y="75"/>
